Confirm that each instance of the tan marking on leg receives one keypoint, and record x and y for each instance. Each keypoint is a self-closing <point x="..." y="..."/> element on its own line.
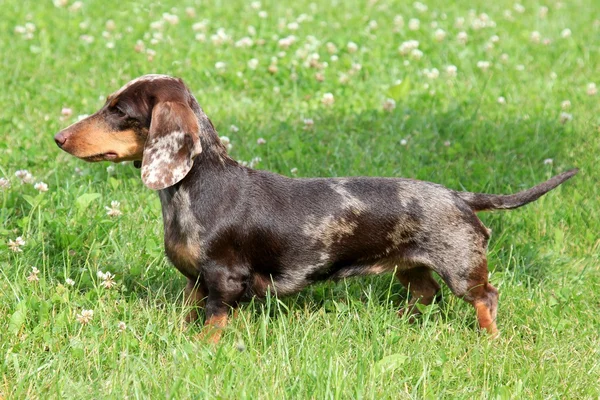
<point x="484" y="318"/>
<point x="193" y="297"/>
<point x="213" y="328"/>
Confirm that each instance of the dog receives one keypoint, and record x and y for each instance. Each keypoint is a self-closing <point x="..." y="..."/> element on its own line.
<point x="236" y="233"/>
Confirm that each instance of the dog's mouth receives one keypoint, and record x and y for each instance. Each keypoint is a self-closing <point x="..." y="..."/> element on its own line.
<point x="101" y="157"/>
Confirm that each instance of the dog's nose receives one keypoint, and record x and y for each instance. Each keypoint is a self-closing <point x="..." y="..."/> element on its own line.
<point x="60" y="139"/>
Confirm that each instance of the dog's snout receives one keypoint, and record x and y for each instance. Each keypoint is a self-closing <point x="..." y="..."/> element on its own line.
<point x="60" y="139"/>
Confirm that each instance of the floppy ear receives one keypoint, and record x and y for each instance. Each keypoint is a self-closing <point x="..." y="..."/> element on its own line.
<point x="171" y="145"/>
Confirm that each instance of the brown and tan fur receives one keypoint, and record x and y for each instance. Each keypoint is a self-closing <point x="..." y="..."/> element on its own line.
<point x="235" y="232"/>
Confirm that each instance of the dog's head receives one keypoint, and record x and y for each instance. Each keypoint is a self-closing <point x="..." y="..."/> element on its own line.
<point x="151" y="119"/>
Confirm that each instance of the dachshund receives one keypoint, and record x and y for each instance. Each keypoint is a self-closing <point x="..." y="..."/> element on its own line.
<point x="237" y="233"/>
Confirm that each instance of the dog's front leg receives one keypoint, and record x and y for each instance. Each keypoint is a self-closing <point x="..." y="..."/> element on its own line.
<point x="225" y="286"/>
<point x="194" y="296"/>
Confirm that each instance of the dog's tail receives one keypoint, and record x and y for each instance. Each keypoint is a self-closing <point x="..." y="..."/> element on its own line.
<point x="483" y="201"/>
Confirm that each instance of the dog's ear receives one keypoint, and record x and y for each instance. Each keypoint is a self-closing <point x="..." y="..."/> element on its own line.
<point x="171" y="145"/>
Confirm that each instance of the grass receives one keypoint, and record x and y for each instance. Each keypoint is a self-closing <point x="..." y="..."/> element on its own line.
<point x="334" y="340"/>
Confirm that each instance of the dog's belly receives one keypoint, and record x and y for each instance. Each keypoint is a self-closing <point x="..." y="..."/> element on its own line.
<point x="293" y="279"/>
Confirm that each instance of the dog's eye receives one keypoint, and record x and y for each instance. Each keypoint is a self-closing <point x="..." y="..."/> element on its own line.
<point x="119" y="111"/>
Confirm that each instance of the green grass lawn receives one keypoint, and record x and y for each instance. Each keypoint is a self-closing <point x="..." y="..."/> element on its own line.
<point x="496" y="97"/>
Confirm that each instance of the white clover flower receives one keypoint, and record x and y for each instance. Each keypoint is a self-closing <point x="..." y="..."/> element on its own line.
<point x="139" y="46"/>
<point x="331" y="48"/>
<point x="121" y="326"/>
<point x="519" y="8"/>
<point x="403" y="142"/>
<point x="108" y="280"/>
<point x="535" y="37"/>
<point x="462" y="37"/>
<point x="262" y="14"/>
<point x="225" y="140"/>
<point x="41" y="187"/>
<point x="151" y="54"/>
<point x="501" y="100"/>
<point x="33" y="276"/>
<point x="328" y="99"/>
<point x="200" y="26"/>
<point x="398" y="22"/>
<point x="565" y="117"/>
<point x="60" y="3"/>
<point x="565" y="104"/>
<point x="20" y="29"/>
<point x="543" y="12"/>
<point x="431" y="74"/>
<point x="260" y="141"/>
<point x="451" y="70"/>
<point x="420" y="7"/>
<point x="25" y="176"/>
<point x="113" y="210"/>
<point x="372" y="25"/>
<point x="352" y="47"/>
<point x="220" y="37"/>
<point x="308" y="123"/>
<point x="244" y="42"/>
<point x="87" y="39"/>
<point x="70" y="282"/>
<point x="286" y="42"/>
<point x="85" y="317"/>
<point x="76" y="6"/>
<point x="566" y="33"/>
<point x="21" y="173"/>
<point x="408" y="46"/>
<point x="171" y="18"/>
<point x="294" y="171"/>
<point x="4" y="183"/>
<point x="414" y="24"/>
<point x="416" y="54"/>
<point x="495" y="39"/>
<point x="592" y="90"/>
<point x="233" y="128"/>
<point x="483" y="65"/>
<point x="254" y="162"/>
<point x="255" y="5"/>
<point x="439" y="34"/>
<point x="293" y="26"/>
<point x="220" y="66"/>
<point x="389" y="105"/>
<point x="110" y="169"/>
<point x="253" y="63"/>
<point x="548" y="161"/>
<point x="520" y="67"/>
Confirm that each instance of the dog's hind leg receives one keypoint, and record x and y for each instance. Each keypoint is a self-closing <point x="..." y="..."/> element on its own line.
<point x="421" y="286"/>
<point x="470" y="282"/>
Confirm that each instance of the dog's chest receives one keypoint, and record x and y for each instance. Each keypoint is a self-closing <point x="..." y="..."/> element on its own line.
<point x="183" y="243"/>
